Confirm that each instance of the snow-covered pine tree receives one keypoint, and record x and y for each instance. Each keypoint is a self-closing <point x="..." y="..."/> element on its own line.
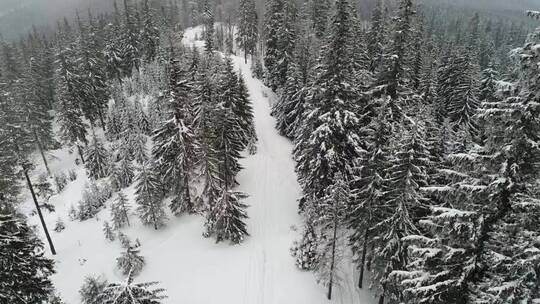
<point x="205" y="121"/>
<point x="226" y="218"/>
<point x="244" y="111"/>
<point x="131" y="293"/>
<point x="328" y="140"/>
<point x="208" y="20"/>
<point x="488" y="99"/>
<point x="108" y="232"/>
<point x="492" y="218"/>
<point x="331" y="219"/>
<point x="130" y="50"/>
<point x="289" y="109"/>
<point x="92" y="288"/>
<point x="120" y="211"/>
<point x="97" y="158"/>
<point x="24" y="270"/>
<point x="149" y="34"/>
<point x="404" y="203"/>
<point x="228" y="145"/>
<point x="280" y="36"/>
<point x="396" y="64"/>
<point x="319" y="15"/>
<point x="137" y="145"/>
<point x="149" y="197"/>
<point x="368" y="194"/>
<point x="247" y="34"/>
<point x="130" y="262"/>
<point x="72" y="127"/>
<point x="175" y="142"/>
<point x="93" y="90"/>
<point x="141" y="118"/>
<point x="463" y="102"/>
<point x="122" y="174"/>
<point x="376" y="36"/>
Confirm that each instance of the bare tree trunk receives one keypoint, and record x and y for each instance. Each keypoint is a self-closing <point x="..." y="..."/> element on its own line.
<point x="101" y="119"/>
<point x="49" y="240"/>
<point x="332" y="264"/>
<point x="81" y="154"/>
<point x="40" y="147"/>
<point x="381" y="299"/>
<point x="363" y="259"/>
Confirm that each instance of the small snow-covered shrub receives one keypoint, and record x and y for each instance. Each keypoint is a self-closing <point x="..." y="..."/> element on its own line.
<point x="92" y="289"/>
<point x="59" y="226"/>
<point x="305" y="250"/>
<point x="72" y="175"/>
<point x="43" y="187"/>
<point x="108" y="231"/>
<point x="60" y="181"/>
<point x="124" y="240"/>
<point x="93" y="200"/>
<point x="130" y="261"/>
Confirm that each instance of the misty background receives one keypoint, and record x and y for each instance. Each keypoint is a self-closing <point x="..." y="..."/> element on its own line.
<point x="18" y="16"/>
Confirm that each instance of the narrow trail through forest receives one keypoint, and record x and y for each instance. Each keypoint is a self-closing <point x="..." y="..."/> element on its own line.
<point x="191" y="268"/>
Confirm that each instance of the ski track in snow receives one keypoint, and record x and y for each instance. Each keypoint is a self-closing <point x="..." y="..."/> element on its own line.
<point x="192" y="269"/>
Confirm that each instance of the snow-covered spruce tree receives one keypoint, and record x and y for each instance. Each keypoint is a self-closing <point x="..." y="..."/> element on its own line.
<point x="122" y="174"/>
<point x="137" y="145"/>
<point x="289" y="109"/>
<point x="492" y="218"/>
<point x="205" y="122"/>
<point x="97" y="158"/>
<point x="69" y="117"/>
<point x="36" y="114"/>
<point x="131" y="293"/>
<point x="396" y="65"/>
<point x="228" y="145"/>
<point x="149" y="197"/>
<point x="175" y="142"/>
<point x="120" y="211"/>
<point x="208" y="20"/>
<point x="319" y="14"/>
<point x="108" y="232"/>
<point x="24" y="270"/>
<point x="333" y="212"/>
<point x="225" y="220"/>
<point x="232" y="94"/>
<point x="149" y="34"/>
<point x="130" y="50"/>
<point x="376" y="36"/>
<point x="130" y="262"/>
<point x="244" y="111"/>
<point x="404" y="203"/>
<point x="247" y="35"/>
<point x="141" y="118"/>
<point x="368" y="194"/>
<point x="280" y="36"/>
<point x="92" y="288"/>
<point x="463" y="102"/>
<point x="489" y="99"/>
<point x="328" y="141"/>
<point x="93" y="91"/>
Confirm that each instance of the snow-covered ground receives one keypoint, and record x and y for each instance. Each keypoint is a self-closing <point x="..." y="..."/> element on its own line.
<point x="193" y="269"/>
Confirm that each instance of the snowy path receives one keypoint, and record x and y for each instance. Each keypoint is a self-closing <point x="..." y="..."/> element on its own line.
<point x="192" y="269"/>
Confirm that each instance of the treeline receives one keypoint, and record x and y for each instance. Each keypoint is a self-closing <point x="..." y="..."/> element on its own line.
<point x="416" y="142"/>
